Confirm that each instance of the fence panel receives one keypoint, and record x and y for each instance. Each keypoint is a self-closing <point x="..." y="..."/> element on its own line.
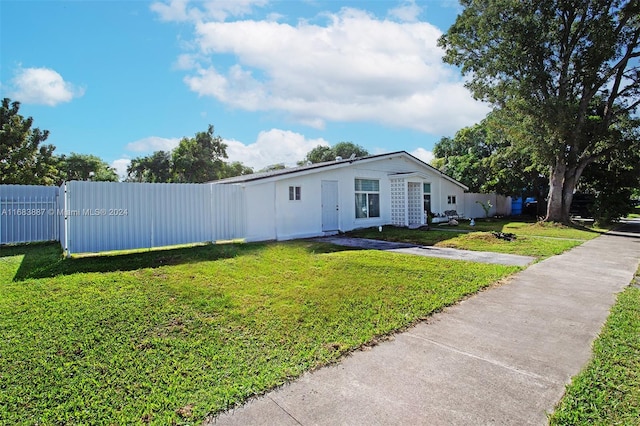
<point x="228" y="205"/>
<point x="104" y="216"/>
<point x="28" y="213"/>
<point x="500" y="205"/>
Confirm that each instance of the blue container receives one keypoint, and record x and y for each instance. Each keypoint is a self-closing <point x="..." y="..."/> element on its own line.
<point x="516" y="206"/>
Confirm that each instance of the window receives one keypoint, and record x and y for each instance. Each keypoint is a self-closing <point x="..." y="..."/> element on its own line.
<point x="295" y="193"/>
<point x="427" y="197"/>
<point x="367" y="198"/>
<point x="451" y="199"/>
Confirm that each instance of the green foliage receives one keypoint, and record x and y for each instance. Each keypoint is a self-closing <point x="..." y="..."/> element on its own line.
<point x="486" y="207"/>
<point x="488" y="157"/>
<point x="194" y="160"/>
<point x="566" y="71"/>
<point x="169" y="337"/>
<point x="199" y="159"/>
<point x="85" y="167"/>
<point x="323" y="153"/>
<point x="23" y="158"/>
<point x="155" y="168"/>
<point x="235" y="168"/>
<point x="607" y="391"/>
<point x="273" y="167"/>
<point x="614" y="178"/>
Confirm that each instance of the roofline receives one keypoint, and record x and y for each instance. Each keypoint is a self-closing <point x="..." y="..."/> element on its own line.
<point x="331" y="165"/>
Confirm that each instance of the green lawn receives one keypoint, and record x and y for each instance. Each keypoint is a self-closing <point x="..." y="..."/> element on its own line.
<point x="532" y="239"/>
<point x="166" y="337"/>
<point x="607" y="392"/>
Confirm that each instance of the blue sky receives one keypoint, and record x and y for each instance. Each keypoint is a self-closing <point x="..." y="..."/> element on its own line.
<point x="121" y="79"/>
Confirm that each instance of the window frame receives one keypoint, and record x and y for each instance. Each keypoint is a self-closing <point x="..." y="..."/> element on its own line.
<point x="295" y="193"/>
<point x="369" y="197"/>
<point x="452" y="199"/>
<point x="426" y="194"/>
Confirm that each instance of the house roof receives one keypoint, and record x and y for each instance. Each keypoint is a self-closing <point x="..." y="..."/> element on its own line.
<point x="311" y="168"/>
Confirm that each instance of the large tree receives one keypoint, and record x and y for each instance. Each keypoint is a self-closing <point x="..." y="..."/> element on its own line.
<point x="194" y="160"/>
<point x="485" y="159"/>
<point x="86" y="167"/>
<point x="322" y="153"/>
<point x="24" y="159"/>
<point x="199" y="159"/>
<point x="154" y="168"/>
<point x="568" y="69"/>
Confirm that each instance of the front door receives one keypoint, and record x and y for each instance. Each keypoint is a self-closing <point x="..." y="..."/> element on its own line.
<point x="330" y="207"/>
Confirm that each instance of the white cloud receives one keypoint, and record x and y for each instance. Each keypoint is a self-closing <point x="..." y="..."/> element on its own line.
<point x="408" y="11"/>
<point x="218" y="10"/>
<point x="120" y="165"/>
<point x="42" y="86"/>
<point x="423" y="155"/>
<point x="153" y="143"/>
<point x="272" y="147"/>
<point x="354" y="68"/>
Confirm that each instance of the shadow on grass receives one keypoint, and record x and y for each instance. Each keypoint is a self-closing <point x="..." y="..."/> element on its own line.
<point x="46" y="260"/>
<point x="313" y="246"/>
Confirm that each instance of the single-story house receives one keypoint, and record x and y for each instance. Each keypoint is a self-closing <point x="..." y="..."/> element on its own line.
<point x="345" y="194"/>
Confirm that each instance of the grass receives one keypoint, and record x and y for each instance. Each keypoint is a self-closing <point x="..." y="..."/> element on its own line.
<point x="635" y="214"/>
<point x="171" y="337"/>
<point x="532" y="238"/>
<point x="607" y="391"/>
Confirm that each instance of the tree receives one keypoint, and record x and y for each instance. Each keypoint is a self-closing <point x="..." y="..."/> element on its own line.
<point x="485" y="159"/>
<point x="154" y="168"/>
<point x="322" y="153"/>
<point x="23" y="158"/>
<point x="199" y="159"/>
<point x="464" y="157"/>
<point x="86" y="167"/>
<point x="568" y="69"/>
<point x="194" y="160"/>
<point x="235" y="168"/>
<point x="613" y="179"/>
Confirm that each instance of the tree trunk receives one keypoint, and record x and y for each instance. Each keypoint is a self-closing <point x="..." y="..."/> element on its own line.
<point x="567" y="193"/>
<point x="562" y="184"/>
<point x="556" y="186"/>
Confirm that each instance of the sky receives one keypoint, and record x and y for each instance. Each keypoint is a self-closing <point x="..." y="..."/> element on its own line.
<point x="121" y="79"/>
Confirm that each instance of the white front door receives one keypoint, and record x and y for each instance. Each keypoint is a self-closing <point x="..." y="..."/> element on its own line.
<point x="330" y="207"/>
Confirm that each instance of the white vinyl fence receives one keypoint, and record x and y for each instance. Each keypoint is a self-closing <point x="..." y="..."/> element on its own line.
<point x="104" y="216"/>
<point x="27" y="213"/>
<point x="500" y="205"/>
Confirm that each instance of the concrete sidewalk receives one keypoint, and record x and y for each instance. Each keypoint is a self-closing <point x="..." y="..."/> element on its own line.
<point x="500" y="357"/>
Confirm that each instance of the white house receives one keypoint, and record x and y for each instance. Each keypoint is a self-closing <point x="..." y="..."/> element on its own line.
<point x="346" y="194"/>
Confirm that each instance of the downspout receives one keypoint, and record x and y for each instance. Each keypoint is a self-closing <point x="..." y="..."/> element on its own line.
<point x="275" y="211"/>
<point x="440" y="194"/>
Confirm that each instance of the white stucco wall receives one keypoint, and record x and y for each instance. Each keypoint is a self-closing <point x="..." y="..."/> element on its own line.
<point x="444" y="189"/>
<point x="271" y="215"/>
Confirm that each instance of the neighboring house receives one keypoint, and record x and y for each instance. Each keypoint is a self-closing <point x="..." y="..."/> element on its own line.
<point x="346" y="194"/>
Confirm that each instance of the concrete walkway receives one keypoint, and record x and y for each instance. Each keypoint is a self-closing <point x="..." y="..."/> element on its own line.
<point x="430" y="251"/>
<point x="501" y="357"/>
